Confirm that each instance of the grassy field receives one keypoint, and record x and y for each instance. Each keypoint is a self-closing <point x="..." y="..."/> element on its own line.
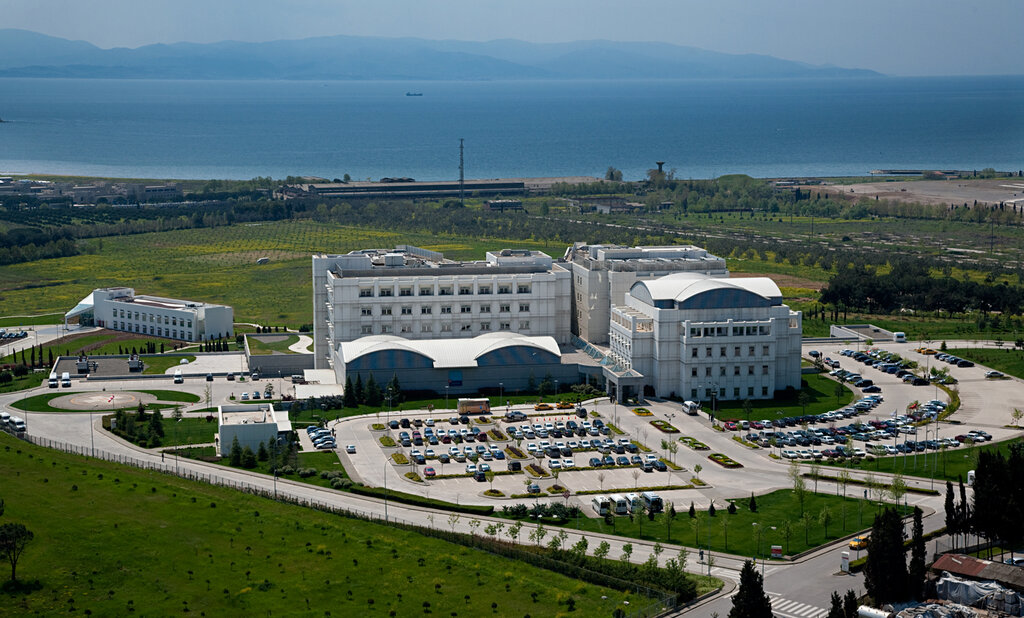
<point x="822" y="399"/>
<point x="442" y="407"/>
<point x="31" y="380"/>
<point x="112" y="540"/>
<point x="32" y="320"/>
<point x="736" y="534"/>
<point x="950" y="464"/>
<point x="218" y="265"/>
<point x="1007" y="360"/>
<point x="97" y="344"/>
<point x="259" y="345"/>
<point x="160" y="364"/>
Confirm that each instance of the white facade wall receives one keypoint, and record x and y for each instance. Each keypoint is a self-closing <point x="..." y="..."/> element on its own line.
<point x="529" y="296"/>
<point x="735" y="353"/>
<point x="120" y="309"/>
<point x="262" y="425"/>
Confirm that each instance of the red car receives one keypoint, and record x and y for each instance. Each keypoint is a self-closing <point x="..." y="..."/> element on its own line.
<point x="731" y="426"/>
<point x="757" y="425"/>
<point x="429" y="472"/>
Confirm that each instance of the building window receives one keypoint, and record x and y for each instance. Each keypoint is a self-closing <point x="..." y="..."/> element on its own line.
<point x="446" y="328"/>
<point x="750" y="351"/>
<point x="695" y="332"/>
<point x="524" y="307"/>
<point x="385" y="292"/>
<point x="523" y="288"/>
<point x="465" y="290"/>
<point x="365" y="292"/>
<point x="764" y="370"/>
<point x="406" y="328"/>
<point x="721" y="371"/>
<point x="764" y="391"/>
<point x="385" y="310"/>
<point x="764" y="350"/>
<point x="736" y="351"/>
<point x="505" y="326"/>
<point x="524" y="325"/>
<point x="693" y="372"/>
<point x="484" y="289"/>
<point x="721" y="351"/>
<point x="446" y="309"/>
<point x="505" y="308"/>
<point x="190" y="323"/>
<point x="750" y="391"/>
<point x="485" y="326"/>
<point x="366" y="329"/>
<point x="426" y="291"/>
<point x="159" y="332"/>
<point x="425" y="328"/>
<point x="485" y="308"/>
<point x="466" y="309"/>
<point x="466" y="327"/>
<point x="693" y="393"/>
<point x="694" y="355"/>
<point x="736" y="392"/>
<point x="707" y="372"/>
<point x="426" y="310"/>
<point x="707" y="352"/>
<point x="406" y="310"/>
<point x="444" y="291"/>
<point x="386" y="328"/>
<point x="736" y="370"/>
<point x="504" y="289"/>
<point x="405" y="292"/>
<point x="737" y="331"/>
<point x="366" y="311"/>
<point x="750" y="370"/>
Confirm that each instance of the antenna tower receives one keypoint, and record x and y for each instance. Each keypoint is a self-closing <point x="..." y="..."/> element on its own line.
<point x="462" y="176"/>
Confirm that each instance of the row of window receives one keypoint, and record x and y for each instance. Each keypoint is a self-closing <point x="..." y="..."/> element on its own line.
<point x="447" y="290"/>
<point x="151" y="317"/>
<point x="406" y="329"/>
<point x="721" y="392"/>
<point x="159" y="331"/>
<point x="723" y="371"/>
<point x="722" y="351"/>
<point x="444" y="309"/>
<point x="736" y="331"/>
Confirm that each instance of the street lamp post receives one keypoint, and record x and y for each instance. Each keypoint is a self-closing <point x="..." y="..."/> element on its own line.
<point x="385" y="490"/>
<point x="757" y="553"/>
<point x="445" y="396"/>
<point x="92" y="440"/>
<point x="501" y="393"/>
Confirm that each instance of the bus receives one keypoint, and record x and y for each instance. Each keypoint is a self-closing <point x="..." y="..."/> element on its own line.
<point x="474" y="406"/>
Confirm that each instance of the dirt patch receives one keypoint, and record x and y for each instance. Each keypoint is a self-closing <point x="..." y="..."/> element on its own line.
<point x="936" y="192"/>
<point x="113" y="336"/>
<point x="271" y="338"/>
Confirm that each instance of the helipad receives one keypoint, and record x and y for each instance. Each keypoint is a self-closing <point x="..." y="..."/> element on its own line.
<point x="101" y="401"/>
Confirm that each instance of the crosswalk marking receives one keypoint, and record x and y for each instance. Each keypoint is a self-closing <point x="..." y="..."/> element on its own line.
<point x="787" y="608"/>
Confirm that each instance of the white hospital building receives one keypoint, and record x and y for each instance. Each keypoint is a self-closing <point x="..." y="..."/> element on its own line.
<point x="124" y="310"/>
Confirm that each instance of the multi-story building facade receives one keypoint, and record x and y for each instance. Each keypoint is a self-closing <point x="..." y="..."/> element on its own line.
<point x="603" y="274"/>
<point x="699" y="337"/>
<point x="418" y="294"/>
<point x="124" y="310"/>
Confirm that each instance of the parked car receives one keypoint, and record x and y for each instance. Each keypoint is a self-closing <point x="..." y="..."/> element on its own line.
<point x="429" y="472"/>
<point x="859" y="542"/>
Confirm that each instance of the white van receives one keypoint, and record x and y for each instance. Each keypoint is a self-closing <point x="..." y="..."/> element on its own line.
<point x="619" y="504"/>
<point x="653" y="502"/>
<point x="691" y="407"/>
<point x="602" y="505"/>
<point x="178" y="378"/>
<point x="634" y="503"/>
<point x="65" y="379"/>
<point x="899" y="337"/>
<point x="53" y="380"/>
<point x="17" y="424"/>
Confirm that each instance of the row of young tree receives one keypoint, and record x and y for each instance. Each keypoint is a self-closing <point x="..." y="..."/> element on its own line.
<point x="275" y="454"/>
<point x="998" y="507"/>
<point x="143" y="427"/>
<point x="371" y="394"/>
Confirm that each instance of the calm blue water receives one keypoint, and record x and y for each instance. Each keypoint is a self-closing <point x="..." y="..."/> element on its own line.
<point x="702" y="128"/>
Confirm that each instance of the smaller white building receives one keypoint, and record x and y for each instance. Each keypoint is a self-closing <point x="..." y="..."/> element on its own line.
<point x="252" y="424"/>
<point x="695" y="337"/>
<point x="185" y="320"/>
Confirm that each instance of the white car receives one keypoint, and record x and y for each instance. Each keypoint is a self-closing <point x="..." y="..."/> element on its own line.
<point x="568" y="463"/>
<point x="993" y="374"/>
<point x="555" y="464"/>
<point x="790" y="454"/>
<point x="351" y="448"/>
<point x="470" y="468"/>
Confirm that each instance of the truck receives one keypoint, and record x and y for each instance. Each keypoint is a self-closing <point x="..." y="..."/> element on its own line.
<point x="899" y="337"/>
<point x="65" y="379"/>
<point x="474" y="406"/>
<point x="178" y="378"/>
<point x="53" y="383"/>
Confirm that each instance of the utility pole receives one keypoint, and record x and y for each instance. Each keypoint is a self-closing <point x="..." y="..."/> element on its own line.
<point x="462" y="175"/>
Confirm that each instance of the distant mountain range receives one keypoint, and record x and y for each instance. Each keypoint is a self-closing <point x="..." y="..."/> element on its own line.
<point x="29" y="54"/>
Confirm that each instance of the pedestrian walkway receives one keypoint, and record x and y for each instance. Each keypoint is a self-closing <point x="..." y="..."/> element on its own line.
<point x="794" y="609"/>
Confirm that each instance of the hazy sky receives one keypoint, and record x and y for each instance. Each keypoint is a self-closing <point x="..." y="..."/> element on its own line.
<point x="902" y="37"/>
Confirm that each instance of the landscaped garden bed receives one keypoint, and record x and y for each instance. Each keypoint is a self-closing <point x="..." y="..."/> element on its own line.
<point x="412" y="476"/>
<point x="664" y="427"/>
<point x="387" y="441"/>
<point x="695" y="444"/>
<point x="536" y="470"/>
<point x="642" y="412"/>
<point x="724" y="460"/>
<point x="399" y="459"/>
<point x="514" y="452"/>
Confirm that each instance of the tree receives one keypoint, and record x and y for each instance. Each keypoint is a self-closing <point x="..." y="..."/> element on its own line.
<point x="693" y="511"/>
<point x="671" y="516"/>
<point x="613" y="174"/>
<point x="14" y="538"/>
<point x="696" y="471"/>
<point x="627" y="552"/>
<point x="805" y="519"/>
<point x="374" y="396"/>
<point x="358" y="390"/>
<point x="786" y="531"/>
<point x="825" y="518"/>
<point x="248" y="458"/>
<point x="897" y="489"/>
<point x="952" y="519"/>
<point x="752" y="505"/>
<point x="803" y="399"/>
<point x="235" y="455"/>
<point x="156" y="424"/>
<point x="850" y="604"/>
<point x="750" y="600"/>
<point x="838" y="392"/>
<point x="262" y="453"/>
<point x="602" y="549"/>
<point x="349" y="399"/>
<point x="748" y="407"/>
<point x="917" y="570"/>
<point x="885" y="570"/>
<point x="1016" y="415"/>
<point x="836" y="609"/>
<point x="799" y="485"/>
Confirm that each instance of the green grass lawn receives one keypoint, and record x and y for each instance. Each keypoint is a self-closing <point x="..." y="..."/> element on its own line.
<point x="30" y="380"/>
<point x="41" y="403"/>
<point x="772" y="510"/>
<point x="112" y="540"/>
<point x="165" y="395"/>
<point x="160" y="364"/>
<point x="1007" y="360"/>
<point x="261" y="346"/>
<point x="951" y="464"/>
<point x="32" y="320"/>
<point x="820" y="388"/>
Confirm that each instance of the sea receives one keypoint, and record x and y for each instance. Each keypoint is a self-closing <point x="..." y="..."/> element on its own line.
<point x="373" y="129"/>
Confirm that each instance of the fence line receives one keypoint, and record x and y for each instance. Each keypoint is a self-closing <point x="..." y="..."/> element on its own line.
<point x="661" y="603"/>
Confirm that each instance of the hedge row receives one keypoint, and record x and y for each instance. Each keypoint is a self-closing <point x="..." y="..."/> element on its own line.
<point x="856" y="481"/>
<point x="414" y="500"/>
